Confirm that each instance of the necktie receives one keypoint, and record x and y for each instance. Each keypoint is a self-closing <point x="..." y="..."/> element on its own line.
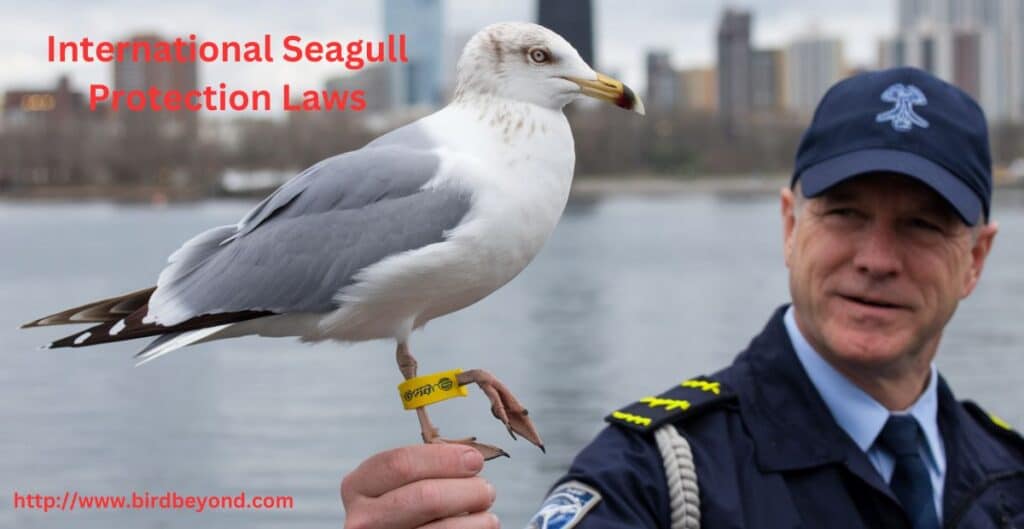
<point x="910" y="482"/>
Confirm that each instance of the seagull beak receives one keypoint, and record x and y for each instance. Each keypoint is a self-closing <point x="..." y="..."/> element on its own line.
<point x="611" y="90"/>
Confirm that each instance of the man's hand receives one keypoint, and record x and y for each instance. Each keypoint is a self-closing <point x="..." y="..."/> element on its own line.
<point x="430" y="486"/>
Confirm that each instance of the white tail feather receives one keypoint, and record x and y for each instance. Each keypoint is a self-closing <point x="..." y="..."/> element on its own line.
<point x="168" y="343"/>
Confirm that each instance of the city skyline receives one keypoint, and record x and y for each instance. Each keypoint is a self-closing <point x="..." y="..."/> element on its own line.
<point x="741" y="109"/>
<point x="686" y="32"/>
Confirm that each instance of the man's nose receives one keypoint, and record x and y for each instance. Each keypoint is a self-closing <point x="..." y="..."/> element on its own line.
<point x="879" y="253"/>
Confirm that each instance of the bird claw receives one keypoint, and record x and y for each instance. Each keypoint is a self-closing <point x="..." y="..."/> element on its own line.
<point x="504" y="405"/>
<point x="488" y="451"/>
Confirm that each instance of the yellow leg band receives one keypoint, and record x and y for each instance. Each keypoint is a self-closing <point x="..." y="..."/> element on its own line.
<point x="431" y="389"/>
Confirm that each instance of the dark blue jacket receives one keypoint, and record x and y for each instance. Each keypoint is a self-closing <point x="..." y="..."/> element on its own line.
<point x="769" y="454"/>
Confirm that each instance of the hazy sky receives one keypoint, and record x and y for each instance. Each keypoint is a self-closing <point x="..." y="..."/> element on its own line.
<point x="685" y="27"/>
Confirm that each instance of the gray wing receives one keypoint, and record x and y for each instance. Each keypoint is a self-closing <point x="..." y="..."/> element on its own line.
<point x="297" y="248"/>
<point x="396" y="164"/>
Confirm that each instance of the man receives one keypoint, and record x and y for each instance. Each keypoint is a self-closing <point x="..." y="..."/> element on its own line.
<point x="834" y="416"/>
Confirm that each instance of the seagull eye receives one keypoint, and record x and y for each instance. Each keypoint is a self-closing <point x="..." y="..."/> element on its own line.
<point x="539" y="55"/>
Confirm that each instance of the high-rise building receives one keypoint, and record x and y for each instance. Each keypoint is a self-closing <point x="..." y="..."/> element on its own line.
<point x="44" y="107"/>
<point x="891" y="52"/>
<point x="966" y="66"/>
<point x="767" y="80"/>
<point x="908" y="12"/>
<point x="913" y="14"/>
<point x="418" y="82"/>
<point x="1012" y="17"/>
<point x="573" y="20"/>
<point x="813" y="64"/>
<point x="50" y="137"/>
<point x="156" y="147"/>
<point x="975" y="44"/>
<point x="734" y="57"/>
<point x="139" y="75"/>
<point x="662" y="82"/>
<point x="698" y="89"/>
<point x="374" y="80"/>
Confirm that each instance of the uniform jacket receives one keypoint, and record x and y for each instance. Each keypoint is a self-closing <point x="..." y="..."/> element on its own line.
<point x="768" y="454"/>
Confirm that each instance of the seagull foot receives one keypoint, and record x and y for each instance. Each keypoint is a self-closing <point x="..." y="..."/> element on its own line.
<point x="489" y="451"/>
<point x="504" y="405"/>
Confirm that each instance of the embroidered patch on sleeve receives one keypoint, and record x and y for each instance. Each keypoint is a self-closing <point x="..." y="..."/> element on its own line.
<point x="565" y="506"/>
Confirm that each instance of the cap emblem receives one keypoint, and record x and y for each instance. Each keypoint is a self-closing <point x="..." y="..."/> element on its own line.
<point x="902" y="115"/>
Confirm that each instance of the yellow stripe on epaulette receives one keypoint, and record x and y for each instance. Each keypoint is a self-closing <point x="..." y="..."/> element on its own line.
<point x="998" y="421"/>
<point x="703" y="385"/>
<point x="996" y="425"/>
<point x="685" y="399"/>
<point x="630" y="418"/>
<point x="669" y="404"/>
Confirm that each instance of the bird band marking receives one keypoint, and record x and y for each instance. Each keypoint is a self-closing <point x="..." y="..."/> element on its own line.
<point x="702" y="385"/>
<point x="629" y="417"/>
<point x="431" y="389"/>
<point x="669" y="404"/>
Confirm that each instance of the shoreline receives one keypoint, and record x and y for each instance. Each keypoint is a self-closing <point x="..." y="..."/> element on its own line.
<point x="656" y="185"/>
<point x="586" y="187"/>
<point x="582" y="187"/>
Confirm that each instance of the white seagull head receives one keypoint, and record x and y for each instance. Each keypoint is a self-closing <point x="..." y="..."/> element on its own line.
<point x="530" y="63"/>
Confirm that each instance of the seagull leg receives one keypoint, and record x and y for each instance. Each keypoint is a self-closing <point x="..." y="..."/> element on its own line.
<point x="504" y="405"/>
<point x="407" y="365"/>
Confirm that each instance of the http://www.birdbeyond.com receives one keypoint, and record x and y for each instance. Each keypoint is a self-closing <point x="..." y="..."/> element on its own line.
<point x="374" y="243"/>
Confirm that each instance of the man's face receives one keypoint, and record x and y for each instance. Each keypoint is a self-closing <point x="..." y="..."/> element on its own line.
<point x="877" y="266"/>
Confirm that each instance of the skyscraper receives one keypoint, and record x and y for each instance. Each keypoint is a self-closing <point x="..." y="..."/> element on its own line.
<point x="1012" y="16"/>
<point x="572" y="19"/>
<point x="813" y="64"/>
<point x="375" y="80"/>
<point x="734" y="61"/>
<point x="141" y="75"/>
<point x="50" y="135"/>
<point x="911" y="14"/>
<point x="966" y="67"/>
<point x="697" y="89"/>
<point x="155" y="145"/>
<point x="975" y="44"/>
<point x="419" y="82"/>
<point x="766" y="80"/>
<point x="662" y="82"/>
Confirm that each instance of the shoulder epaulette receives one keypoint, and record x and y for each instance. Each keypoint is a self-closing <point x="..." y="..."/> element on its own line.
<point x="687" y="399"/>
<point x="995" y="424"/>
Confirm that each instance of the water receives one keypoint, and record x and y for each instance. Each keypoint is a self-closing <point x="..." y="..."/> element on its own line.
<point x="630" y="296"/>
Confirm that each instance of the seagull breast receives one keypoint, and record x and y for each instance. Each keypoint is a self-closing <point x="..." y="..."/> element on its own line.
<point x="519" y="181"/>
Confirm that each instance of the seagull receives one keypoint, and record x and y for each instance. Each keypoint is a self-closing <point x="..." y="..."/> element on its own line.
<point x="376" y="242"/>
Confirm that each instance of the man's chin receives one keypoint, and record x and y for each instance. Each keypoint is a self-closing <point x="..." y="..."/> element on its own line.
<point x="866" y="347"/>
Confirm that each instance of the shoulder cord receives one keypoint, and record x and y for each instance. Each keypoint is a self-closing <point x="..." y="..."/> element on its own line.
<point x="683" y="492"/>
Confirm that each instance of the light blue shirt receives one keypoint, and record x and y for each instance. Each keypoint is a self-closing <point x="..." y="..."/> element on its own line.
<point x="862" y="417"/>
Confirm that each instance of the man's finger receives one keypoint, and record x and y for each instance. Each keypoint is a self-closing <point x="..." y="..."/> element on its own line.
<point x="429" y="500"/>
<point x="393" y="469"/>
<point x="480" y="520"/>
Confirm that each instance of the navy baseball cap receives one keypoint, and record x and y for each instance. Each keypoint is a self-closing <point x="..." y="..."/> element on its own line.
<point x="905" y="121"/>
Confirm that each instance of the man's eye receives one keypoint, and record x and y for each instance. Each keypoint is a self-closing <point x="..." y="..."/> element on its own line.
<point x="924" y="224"/>
<point x="846" y="213"/>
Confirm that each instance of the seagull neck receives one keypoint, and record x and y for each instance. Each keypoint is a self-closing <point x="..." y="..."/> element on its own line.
<point x="492" y="101"/>
<point x="513" y="119"/>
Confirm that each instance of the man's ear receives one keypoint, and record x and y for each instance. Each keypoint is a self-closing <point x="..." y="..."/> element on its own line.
<point x="979" y="253"/>
<point x="788" y="205"/>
